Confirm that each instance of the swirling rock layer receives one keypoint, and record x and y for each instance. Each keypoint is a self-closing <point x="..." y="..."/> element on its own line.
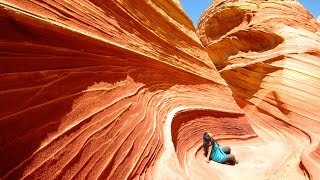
<point x="89" y="89"/>
<point x="269" y="55"/>
<point x="124" y="89"/>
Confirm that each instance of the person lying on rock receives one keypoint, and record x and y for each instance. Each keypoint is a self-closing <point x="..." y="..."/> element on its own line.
<point x="217" y="154"/>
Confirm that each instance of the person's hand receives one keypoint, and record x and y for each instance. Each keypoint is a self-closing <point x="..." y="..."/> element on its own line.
<point x="207" y="161"/>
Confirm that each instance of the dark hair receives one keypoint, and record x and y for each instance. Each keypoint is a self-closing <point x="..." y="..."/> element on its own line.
<point x="206" y="143"/>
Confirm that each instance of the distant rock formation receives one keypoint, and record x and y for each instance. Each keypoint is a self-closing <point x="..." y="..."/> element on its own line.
<point x="269" y="52"/>
<point x="125" y="89"/>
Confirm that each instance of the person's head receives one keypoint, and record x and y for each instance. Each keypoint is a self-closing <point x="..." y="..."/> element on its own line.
<point x="206" y="142"/>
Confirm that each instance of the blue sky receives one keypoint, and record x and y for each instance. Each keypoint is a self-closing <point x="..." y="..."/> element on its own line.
<point x="194" y="8"/>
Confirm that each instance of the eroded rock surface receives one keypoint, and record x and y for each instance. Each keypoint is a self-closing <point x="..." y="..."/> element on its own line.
<point x="124" y="89"/>
<point x="269" y="54"/>
<point x="89" y="89"/>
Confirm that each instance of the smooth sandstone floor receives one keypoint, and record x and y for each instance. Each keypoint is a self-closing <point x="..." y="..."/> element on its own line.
<point x="271" y="155"/>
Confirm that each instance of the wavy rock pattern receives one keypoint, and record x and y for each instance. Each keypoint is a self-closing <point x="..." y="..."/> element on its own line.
<point x="89" y="90"/>
<point x="269" y="55"/>
<point x="123" y="89"/>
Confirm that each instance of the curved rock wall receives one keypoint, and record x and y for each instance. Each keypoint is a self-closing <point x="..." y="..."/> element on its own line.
<point x="89" y="89"/>
<point x="123" y="89"/>
<point x="269" y="55"/>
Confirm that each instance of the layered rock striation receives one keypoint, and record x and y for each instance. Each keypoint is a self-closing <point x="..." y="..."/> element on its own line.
<point x="124" y="89"/>
<point x="89" y="89"/>
<point x="269" y="55"/>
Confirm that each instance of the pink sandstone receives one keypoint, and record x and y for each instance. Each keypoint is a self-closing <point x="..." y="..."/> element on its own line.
<point x="269" y="52"/>
<point x="123" y="89"/>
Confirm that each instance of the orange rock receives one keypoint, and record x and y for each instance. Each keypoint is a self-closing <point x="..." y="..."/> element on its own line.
<point x="269" y="52"/>
<point x="124" y="89"/>
<point x="89" y="89"/>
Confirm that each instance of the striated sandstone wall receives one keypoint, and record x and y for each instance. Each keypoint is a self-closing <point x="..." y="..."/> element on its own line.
<point x="89" y="89"/>
<point x="124" y="89"/>
<point x="269" y="54"/>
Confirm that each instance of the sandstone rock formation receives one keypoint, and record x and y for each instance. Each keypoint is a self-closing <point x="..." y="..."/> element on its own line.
<point x="123" y="89"/>
<point x="90" y="88"/>
<point x="269" y="54"/>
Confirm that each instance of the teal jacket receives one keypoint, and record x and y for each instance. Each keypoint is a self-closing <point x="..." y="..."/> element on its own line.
<point x="217" y="154"/>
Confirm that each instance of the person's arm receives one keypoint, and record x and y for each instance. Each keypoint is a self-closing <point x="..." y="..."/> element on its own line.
<point x="209" y="153"/>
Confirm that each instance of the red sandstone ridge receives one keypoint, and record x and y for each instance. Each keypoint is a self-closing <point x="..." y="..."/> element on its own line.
<point x="89" y="90"/>
<point x="124" y="89"/>
<point x="269" y="54"/>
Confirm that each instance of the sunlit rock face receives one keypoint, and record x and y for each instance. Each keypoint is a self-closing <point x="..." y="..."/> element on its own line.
<point x="108" y="90"/>
<point x="269" y="54"/>
<point x="123" y="89"/>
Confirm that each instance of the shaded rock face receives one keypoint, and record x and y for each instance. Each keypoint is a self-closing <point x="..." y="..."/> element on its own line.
<point x="125" y="89"/>
<point x="269" y="55"/>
